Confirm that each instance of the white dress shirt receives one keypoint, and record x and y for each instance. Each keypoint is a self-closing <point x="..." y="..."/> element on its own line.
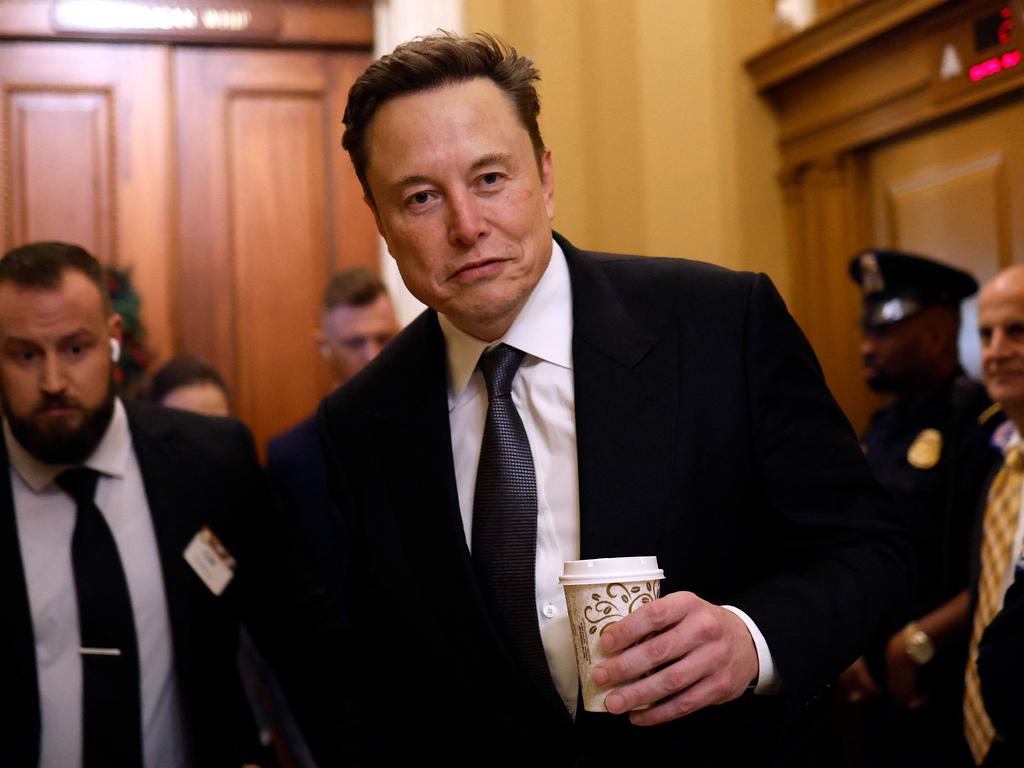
<point x="543" y="394"/>
<point x="45" y="518"/>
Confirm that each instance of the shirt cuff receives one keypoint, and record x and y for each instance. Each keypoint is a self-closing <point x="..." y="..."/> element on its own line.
<point x="768" y="680"/>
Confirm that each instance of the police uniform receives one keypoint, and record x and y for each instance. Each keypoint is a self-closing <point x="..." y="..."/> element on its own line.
<point x="932" y="450"/>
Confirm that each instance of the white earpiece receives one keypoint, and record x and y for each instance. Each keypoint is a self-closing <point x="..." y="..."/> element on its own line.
<point x="115" y="350"/>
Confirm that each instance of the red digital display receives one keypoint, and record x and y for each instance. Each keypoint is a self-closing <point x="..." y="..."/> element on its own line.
<point x="1005" y="31"/>
<point x="994" y="29"/>
<point x="994" y="65"/>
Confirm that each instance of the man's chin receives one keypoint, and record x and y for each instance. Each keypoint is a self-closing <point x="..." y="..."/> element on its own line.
<point x="62" y="436"/>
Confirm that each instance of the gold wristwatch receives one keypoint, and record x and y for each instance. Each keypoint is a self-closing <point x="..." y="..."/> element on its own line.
<point x="919" y="646"/>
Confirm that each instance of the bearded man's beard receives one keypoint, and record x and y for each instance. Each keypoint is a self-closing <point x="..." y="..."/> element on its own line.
<point x="53" y="441"/>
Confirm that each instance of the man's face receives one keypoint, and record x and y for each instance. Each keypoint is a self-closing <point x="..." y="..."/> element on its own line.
<point x="55" y="367"/>
<point x="1001" y="330"/>
<point x="896" y="356"/>
<point x="350" y="337"/>
<point x="461" y="202"/>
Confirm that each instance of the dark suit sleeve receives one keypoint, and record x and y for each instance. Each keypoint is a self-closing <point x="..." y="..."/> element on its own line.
<point x="841" y="559"/>
<point x="1001" y="666"/>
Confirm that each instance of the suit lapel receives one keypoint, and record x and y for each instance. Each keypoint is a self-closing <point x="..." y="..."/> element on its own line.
<point x="17" y="641"/>
<point x="626" y="384"/>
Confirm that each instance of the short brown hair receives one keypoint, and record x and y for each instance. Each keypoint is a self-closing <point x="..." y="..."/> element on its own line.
<point x="356" y="287"/>
<point x="433" y="62"/>
<point x="42" y="265"/>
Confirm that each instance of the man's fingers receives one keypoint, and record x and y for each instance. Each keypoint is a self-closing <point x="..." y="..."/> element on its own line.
<point x="652" y="617"/>
<point x="661" y="684"/>
<point x="658" y="649"/>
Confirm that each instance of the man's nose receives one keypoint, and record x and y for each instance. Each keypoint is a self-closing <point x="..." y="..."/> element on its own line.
<point x="995" y="346"/>
<point x="466" y="224"/>
<point x="51" y="377"/>
<point x="867" y="346"/>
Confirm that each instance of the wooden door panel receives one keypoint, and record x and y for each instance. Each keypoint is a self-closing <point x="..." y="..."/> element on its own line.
<point x="268" y="208"/>
<point x="956" y="193"/>
<point x="61" y="160"/>
<point x="278" y="215"/>
<point x="84" y="158"/>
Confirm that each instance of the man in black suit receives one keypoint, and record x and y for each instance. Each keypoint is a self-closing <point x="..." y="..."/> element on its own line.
<point x="991" y="729"/>
<point x="135" y="540"/>
<point x="620" y="407"/>
<point x="356" y="321"/>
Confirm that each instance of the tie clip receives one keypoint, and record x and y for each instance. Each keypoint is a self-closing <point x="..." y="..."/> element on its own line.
<point x="100" y="651"/>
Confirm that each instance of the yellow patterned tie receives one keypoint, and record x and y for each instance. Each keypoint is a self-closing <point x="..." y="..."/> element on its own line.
<point x="1001" y="513"/>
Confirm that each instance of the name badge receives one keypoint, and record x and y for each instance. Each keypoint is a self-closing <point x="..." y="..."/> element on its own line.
<point x="210" y="560"/>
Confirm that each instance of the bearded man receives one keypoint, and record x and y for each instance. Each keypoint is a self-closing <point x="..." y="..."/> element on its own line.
<point x="134" y="543"/>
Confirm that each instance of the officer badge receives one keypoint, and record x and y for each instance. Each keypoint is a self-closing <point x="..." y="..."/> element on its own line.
<point x="925" y="450"/>
<point x="870" y="275"/>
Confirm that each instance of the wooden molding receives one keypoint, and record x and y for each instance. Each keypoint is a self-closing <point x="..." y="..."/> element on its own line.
<point x="346" y="23"/>
<point x="846" y="28"/>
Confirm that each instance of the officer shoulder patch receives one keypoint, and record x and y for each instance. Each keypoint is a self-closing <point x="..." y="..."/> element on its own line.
<point x="924" y="452"/>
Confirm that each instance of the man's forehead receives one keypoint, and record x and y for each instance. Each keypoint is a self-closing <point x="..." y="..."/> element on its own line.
<point x="74" y="302"/>
<point x="427" y="124"/>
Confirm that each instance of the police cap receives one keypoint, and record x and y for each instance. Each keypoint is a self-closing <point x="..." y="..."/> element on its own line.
<point x="898" y="285"/>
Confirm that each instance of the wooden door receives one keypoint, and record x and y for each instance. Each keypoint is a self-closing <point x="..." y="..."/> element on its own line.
<point x="268" y="208"/>
<point x="84" y="158"/>
<point x="956" y="192"/>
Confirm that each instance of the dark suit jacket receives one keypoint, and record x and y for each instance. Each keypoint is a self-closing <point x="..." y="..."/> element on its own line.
<point x="706" y="436"/>
<point x="197" y="471"/>
<point x="1001" y="668"/>
<point x="298" y="474"/>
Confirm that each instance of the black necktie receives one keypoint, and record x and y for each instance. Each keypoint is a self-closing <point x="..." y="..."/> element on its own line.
<point x="505" y="519"/>
<point x="111" y="708"/>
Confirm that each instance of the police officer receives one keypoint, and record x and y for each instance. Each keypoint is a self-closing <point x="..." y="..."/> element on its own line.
<point x="931" y="448"/>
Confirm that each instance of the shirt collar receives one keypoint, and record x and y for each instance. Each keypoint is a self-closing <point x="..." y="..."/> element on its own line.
<point x="542" y="329"/>
<point x="109" y="458"/>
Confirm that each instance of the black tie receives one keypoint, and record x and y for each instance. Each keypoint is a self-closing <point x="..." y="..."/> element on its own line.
<point x="111" y="710"/>
<point x="505" y="519"/>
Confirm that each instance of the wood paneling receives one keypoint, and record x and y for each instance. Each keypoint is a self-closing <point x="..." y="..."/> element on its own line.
<point x="268" y="207"/>
<point x="955" y="192"/>
<point x="279" y="236"/>
<point x="879" y="148"/>
<point x="84" y="157"/>
<point x="61" y="168"/>
<point x="215" y="174"/>
<point x="302" y="22"/>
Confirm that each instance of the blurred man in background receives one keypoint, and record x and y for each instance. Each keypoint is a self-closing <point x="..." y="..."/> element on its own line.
<point x="992" y="719"/>
<point x="357" y="320"/>
<point x="930" y="449"/>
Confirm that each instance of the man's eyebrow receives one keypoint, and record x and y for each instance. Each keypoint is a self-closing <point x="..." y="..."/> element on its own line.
<point x="410" y="180"/>
<point x="491" y="159"/>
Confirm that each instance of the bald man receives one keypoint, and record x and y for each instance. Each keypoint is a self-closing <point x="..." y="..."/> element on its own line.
<point x="1001" y="328"/>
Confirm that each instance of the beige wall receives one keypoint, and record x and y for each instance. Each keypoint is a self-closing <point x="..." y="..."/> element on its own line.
<point x="660" y="145"/>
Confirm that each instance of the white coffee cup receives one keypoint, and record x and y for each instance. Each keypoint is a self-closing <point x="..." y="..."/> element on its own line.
<point x="600" y="593"/>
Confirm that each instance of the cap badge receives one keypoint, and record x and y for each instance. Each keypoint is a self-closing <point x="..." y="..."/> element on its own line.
<point x="924" y="452"/>
<point x="870" y="275"/>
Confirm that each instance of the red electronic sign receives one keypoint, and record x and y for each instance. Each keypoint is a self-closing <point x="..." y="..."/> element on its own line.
<point x="994" y="65"/>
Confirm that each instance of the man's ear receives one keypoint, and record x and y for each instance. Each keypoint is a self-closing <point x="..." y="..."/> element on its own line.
<point x="547" y="182"/>
<point x="115" y="325"/>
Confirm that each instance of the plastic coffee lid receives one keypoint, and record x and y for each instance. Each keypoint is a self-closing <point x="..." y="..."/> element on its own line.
<point x="607" y="569"/>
